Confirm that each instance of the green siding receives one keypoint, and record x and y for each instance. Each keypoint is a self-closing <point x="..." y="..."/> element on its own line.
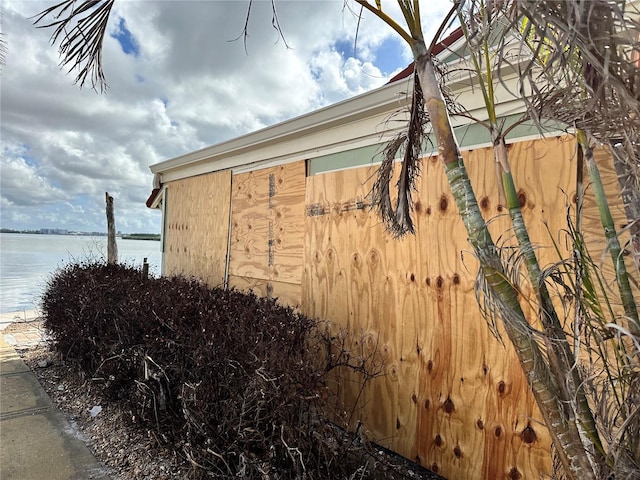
<point x="467" y="135"/>
<point x="347" y="159"/>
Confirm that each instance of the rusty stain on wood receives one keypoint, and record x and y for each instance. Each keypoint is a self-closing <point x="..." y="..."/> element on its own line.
<point x="317" y="209"/>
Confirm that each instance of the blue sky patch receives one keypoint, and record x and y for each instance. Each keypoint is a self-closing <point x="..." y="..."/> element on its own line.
<point x="30" y="160"/>
<point x="24" y="154"/>
<point x="126" y="40"/>
<point x="345" y="48"/>
<point x="390" y="57"/>
<point x="316" y="73"/>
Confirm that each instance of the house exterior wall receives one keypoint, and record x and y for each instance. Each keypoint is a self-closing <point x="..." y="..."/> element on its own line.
<point x="452" y="397"/>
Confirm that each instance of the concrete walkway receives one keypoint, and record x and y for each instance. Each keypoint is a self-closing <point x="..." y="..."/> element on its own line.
<point x="7" y="319"/>
<point x="36" y="441"/>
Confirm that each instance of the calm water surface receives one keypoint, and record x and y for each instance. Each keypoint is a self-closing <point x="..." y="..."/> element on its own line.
<point x="27" y="261"/>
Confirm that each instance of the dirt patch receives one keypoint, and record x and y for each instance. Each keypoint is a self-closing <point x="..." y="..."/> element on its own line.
<point x="129" y="452"/>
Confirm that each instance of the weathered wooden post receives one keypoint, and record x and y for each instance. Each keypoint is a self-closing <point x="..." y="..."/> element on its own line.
<point x="112" y="248"/>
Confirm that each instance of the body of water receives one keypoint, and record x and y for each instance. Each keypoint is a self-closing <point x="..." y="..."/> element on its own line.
<point x="27" y="261"/>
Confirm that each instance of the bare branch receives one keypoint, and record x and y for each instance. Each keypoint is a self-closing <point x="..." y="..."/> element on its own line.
<point x="275" y="23"/>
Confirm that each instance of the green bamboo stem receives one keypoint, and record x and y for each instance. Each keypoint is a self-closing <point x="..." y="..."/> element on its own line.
<point x="545" y="390"/>
<point x="613" y="243"/>
<point x="558" y="348"/>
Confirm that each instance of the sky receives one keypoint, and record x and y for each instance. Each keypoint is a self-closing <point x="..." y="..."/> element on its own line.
<point x="177" y="81"/>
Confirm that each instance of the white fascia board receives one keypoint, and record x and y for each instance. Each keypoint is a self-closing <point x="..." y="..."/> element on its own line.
<point x="358" y="134"/>
<point x="247" y="148"/>
<point x="316" y="142"/>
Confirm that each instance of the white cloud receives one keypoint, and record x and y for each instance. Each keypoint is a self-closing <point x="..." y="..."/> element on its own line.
<point x="189" y="86"/>
<point x="22" y="185"/>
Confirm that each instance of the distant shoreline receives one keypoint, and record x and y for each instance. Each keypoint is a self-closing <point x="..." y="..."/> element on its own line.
<point x="124" y="236"/>
<point x="141" y="236"/>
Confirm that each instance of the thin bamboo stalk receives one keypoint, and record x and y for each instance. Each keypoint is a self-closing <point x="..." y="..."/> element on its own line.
<point x="613" y="243"/>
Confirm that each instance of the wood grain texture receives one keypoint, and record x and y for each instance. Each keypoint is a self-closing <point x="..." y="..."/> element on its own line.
<point x="285" y="293"/>
<point x="268" y="227"/>
<point x="453" y="398"/>
<point x="197" y="227"/>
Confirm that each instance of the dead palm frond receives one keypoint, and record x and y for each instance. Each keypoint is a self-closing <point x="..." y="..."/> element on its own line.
<point x="408" y="143"/>
<point x="579" y="72"/>
<point x="487" y="32"/>
<point x="608" y="352"/>
<point x="80" y="26"/>
<point x="3" y="43"/>
<point x="501" y="292"/>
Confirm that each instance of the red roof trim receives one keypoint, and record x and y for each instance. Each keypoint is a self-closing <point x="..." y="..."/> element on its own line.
<point x="152" y="197"/>
<point x="408" y="70"/>
<point x="438" y="48"/>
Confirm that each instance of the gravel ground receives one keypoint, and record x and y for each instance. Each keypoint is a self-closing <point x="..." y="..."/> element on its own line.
<point x="128" y="451"/>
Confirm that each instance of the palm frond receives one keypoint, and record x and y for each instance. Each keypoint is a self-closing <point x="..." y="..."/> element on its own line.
<point x="397" y="219"/>
<point x="3" y="43"/>
<point x="591" y="51"/>
<point x="579" y="65"/>
<point x="609" y="350"/>
<point x="80" y="27"/>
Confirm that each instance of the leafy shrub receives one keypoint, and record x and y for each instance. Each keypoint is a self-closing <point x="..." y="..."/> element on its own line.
<point x="235" y="381"/>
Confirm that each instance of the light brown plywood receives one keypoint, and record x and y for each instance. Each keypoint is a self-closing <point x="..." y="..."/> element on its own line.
<point x="197" y="227"/>
<point x="285" y="293"/>
<point x="268" y="227"/>
<point x="453" y="397"/>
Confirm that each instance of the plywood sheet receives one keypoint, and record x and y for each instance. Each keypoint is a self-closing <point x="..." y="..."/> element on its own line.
<point x="285" y="293"/>
<point x="453" y="398"/>
<point x="197" y="227"/>
<point x="268" y="225"/>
